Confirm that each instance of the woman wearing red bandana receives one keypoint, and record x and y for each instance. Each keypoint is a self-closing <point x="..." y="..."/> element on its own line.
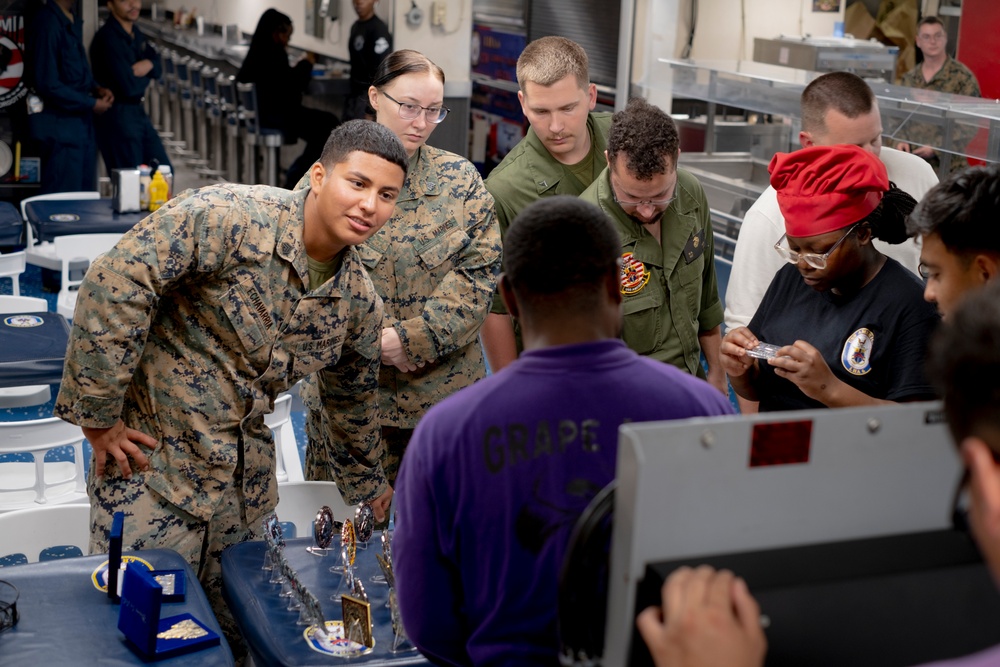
<point x="850" y="324"/>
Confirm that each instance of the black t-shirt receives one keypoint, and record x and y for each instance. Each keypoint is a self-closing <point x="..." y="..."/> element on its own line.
<point x="370" y="43"/>
<point x="875" y="341"/>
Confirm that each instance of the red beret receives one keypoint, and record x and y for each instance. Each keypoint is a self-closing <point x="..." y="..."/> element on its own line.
<point x="825" y="188"/>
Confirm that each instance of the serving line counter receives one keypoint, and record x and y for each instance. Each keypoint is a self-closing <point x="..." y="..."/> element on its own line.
<point x="969" y="126"/>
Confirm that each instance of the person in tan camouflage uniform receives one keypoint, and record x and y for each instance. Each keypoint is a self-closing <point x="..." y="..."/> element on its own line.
<point x="435" y="264"/>
<point x="202" y="314"/>
<point x="942" y="73"/>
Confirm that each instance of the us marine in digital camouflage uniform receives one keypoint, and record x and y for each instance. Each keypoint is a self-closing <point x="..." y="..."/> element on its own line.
<point x="942" y="73"/>
<point x="203" y="313"/>
<point x="435" y="264"/>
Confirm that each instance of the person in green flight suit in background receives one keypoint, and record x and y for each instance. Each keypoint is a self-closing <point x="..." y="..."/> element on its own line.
<point x="562" y="154"/>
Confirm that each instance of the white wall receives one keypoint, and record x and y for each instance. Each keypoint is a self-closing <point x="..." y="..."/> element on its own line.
<point x="727" y="28"/>
<point x="449" y="46"/>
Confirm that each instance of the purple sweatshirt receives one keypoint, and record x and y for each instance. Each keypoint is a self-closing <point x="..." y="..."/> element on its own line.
<point x="495" y="477"/>
<point x="988" y="658"/>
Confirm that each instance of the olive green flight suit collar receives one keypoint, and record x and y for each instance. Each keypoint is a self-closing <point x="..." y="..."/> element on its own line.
<point x="677" y="225"/>
<point x="547" y="172"/>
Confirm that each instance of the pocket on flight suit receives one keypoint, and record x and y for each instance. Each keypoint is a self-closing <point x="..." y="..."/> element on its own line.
<point x="642" y="323"/>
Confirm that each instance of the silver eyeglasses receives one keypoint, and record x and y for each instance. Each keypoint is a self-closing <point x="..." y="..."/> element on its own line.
<point x="655" y="203"/>
<point x="810" y="258"/>
<point x="408" y="111"/>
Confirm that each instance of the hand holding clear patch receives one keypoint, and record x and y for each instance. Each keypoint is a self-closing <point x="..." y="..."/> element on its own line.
<point x="764" y="351"/>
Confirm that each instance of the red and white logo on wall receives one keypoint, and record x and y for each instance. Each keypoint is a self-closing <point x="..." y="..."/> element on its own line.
<point x="12" y="86"/>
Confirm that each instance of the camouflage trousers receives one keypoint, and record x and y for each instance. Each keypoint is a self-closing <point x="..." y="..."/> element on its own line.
<point x="153" y="523"/>
<point x="320" y="462"/>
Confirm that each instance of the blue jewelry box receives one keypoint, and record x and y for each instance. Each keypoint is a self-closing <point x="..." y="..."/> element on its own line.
<point x="150" y="636"/>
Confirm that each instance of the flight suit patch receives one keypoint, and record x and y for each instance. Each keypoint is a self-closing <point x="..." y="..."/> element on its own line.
<point x="634" y="275"/>
<point x="695" y="246"/>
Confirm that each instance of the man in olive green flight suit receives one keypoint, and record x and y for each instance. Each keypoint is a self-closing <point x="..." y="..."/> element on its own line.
<point x="562" y="154"/>
<point x="187" y="330"/>
<point x="670" y="295"/>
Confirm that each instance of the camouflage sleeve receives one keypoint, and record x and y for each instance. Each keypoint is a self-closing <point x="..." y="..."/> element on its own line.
<point x="349" y="394"/>
<point x="453" y="314"/>
<point x="119" y="297"/>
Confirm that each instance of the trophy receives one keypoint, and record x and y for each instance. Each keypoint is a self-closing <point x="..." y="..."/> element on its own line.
<point x="274" y="539"/>
<point x="323" y="529"/>
<point x="386" y="556"/>
<point x="364" y="523"/>
<point x="348" y="551"/>
<point x="400" y="642"/>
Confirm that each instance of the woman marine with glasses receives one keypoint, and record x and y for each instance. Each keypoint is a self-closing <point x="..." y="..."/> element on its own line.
<point x="435" y="265"/>
<point x="850" y="323"/>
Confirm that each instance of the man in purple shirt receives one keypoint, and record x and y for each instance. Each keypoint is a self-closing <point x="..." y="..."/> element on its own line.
<point x="496" y="475"/>
<point x="709" y="618"/>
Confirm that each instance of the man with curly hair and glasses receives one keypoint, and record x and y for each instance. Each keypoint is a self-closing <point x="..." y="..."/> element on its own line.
<point x="670" y="294"/>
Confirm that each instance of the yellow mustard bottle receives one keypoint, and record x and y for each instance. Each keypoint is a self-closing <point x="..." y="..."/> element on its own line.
<point x="157" y="191"/>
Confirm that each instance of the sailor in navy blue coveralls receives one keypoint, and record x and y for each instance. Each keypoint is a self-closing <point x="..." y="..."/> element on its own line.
<point x="64" y="128"/>
<point x="124" y="134"/>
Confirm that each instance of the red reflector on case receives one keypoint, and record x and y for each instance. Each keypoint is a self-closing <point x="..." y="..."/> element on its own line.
<point x="780" y="443"/>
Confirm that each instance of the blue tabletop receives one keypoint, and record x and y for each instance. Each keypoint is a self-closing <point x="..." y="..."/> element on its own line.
<point x="59" y="217"/>
<point x="11" y="224"/>
<point x="66" y="620"/>
<point x="270" y="629"/>
<point x="32" y="348"/>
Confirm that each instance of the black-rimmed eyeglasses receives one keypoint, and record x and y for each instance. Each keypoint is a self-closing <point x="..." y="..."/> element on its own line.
<point x="409" y="111"/>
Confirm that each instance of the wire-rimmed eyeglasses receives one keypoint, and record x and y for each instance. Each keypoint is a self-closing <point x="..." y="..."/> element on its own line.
<point x="626" y="203"/>
<point x="812" y="259"/>
<point x="409" y="111"/>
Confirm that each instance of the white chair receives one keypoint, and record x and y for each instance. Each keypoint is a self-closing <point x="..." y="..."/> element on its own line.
<point x="26" y="484"/>
<point x="34" y="394"/>
<point x="74" y="247"/>
<point x="10" y="304"/>
<point x="43" y="253"/>
<point x="12" y="265"/>
<point x="44" y="533"/>
<point x="286" y="449"/>
<point x="298" y="503"/>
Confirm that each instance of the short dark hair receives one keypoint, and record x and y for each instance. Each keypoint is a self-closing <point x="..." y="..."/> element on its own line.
<point x="845" y="92"/>
<point x="964" y="362"/>
<point x="929" y="20"/>
<point x="647" y="137"/>
<point x="561" y="246"/>
<point x="367" y="137"/>
<point x="962" y="211"/>
<point x="549" y="59"/>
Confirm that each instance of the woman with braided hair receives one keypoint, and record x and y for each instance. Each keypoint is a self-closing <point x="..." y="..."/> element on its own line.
<point x="850" y="325"/>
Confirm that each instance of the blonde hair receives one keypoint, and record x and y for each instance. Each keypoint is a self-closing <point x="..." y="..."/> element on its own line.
<point x="550" y="59"/>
